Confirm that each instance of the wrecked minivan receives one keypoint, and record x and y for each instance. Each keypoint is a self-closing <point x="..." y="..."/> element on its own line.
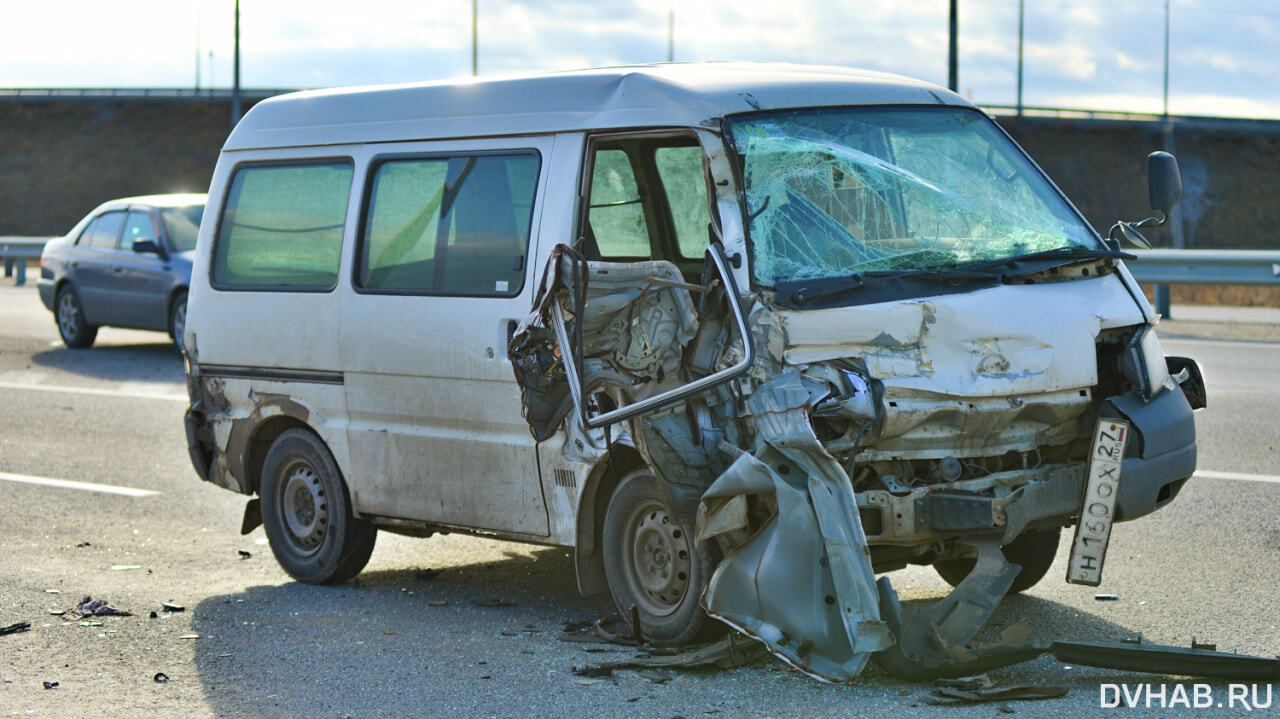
<point x="743" y="336"/>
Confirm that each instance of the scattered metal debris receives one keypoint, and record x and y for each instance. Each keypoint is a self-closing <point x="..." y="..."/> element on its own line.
<point x="15" y="628"/>
<point x="90" y="607"/>
<point x="981" y="690"/>
<point x="734" y="650"/>
<point x="495" y="602"/>
<point x="50" y="685"/>
<point x="160" y="678"/>
<point x="1107" y="597"/>
<point x="244" y="554"/>
<point x="168" y="607"/>
<point x="125" y="567"/>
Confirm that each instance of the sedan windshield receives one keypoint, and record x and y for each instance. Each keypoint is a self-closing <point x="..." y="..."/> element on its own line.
<point x="836" y="192"/>
<point x="182" y="225"/>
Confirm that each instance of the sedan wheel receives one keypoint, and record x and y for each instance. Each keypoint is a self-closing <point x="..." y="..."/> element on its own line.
<point x="75" y="331"/>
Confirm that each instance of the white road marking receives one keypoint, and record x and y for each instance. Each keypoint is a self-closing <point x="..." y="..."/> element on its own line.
<point x="1239" y="476"/>
<point x="94" y="391"/>
<point x="69" y="484"/>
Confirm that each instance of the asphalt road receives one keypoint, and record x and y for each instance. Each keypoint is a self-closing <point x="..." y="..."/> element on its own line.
<point x="402" y="641"/>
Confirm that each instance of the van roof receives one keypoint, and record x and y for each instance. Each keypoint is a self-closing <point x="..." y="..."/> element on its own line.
<point x="664" y="95"/>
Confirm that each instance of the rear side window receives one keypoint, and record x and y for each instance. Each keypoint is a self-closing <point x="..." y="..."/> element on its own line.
<point x="448" y="225"/>
<point x="104" y="231"/>
<point x="281" y="227"/>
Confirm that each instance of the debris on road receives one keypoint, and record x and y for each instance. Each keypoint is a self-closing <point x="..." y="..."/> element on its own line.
<point x="954" y="695"/>
<point x="90" y="607"/>
<point x="244" y="554"/>
<point x="427" y="575"/>
<point x="495" y="602"/>
<point x="438" y="603"/>
<point x="50" y="685"/>
<point x="125" y="567"/>
<point x="168" y="607"/>
<point x="1107" y="597"/>
<point x="734" y="650"/>
<point x="53" y="591"/>
<point x="15" y="628"/>
<point x="160" y="678"/>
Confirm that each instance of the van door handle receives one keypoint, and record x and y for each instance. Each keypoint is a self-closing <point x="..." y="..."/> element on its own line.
<point x="511" y="331"/>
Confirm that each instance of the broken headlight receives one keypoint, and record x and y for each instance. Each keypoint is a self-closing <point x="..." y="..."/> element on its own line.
<point x="1143" y="363"/>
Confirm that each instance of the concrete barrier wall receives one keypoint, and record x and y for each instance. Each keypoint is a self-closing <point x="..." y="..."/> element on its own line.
<point x="61" y="157"/>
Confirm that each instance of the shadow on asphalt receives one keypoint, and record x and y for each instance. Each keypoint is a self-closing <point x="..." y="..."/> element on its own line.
<point x="157" y="362"/>
<point x="446" y="644"/>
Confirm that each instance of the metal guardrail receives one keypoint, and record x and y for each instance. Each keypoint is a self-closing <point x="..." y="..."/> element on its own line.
<point x="1206" y="267"/>
<point x="15" y="251"/>
<point x="1165" y="267"/>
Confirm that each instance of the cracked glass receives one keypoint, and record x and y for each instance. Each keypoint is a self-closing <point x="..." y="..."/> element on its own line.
<point x="834" y="192"/>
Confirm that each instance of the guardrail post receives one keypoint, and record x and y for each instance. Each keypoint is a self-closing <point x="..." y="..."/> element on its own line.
<point x="1162" y="301"/>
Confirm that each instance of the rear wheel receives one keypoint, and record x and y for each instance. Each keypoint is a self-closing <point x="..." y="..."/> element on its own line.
<point x="178" y="319"/>
<point x="75" y="331"/>
<point x="306" y="512"/>
<point x="651" y="564"/>
<point x="1033" y="551"/>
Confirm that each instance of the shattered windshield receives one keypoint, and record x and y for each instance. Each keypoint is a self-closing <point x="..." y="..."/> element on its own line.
<point x="834" y="192"/>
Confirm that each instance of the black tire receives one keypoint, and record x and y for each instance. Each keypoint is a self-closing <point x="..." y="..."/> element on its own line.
<point x="306" y="512"/>
<point x="1032" y="550"/>
<point x="69" y="314"/>
<point x="178" y="319"/>
<point x="650" y="564"/>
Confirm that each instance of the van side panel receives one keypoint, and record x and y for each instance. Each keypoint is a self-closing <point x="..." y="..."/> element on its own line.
<point x="437" y="433"/>
<point x="253" y="351"/>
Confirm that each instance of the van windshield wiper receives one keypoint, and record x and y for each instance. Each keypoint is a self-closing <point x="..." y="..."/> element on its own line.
<point x="1057" y="256"/>
<point x="841" y="285"/>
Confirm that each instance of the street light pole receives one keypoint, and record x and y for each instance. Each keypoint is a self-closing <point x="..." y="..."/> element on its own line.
<point x="671" y="32"/>
<point x="235" y="78"/>
<point x="953" y="80"/>
<point x="474" y="37"/>
<point x="1021" y="15"/>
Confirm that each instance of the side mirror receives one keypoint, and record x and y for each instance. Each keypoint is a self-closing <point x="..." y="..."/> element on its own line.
<point x="1164" y="181"/>
<point x="147" y="245"/>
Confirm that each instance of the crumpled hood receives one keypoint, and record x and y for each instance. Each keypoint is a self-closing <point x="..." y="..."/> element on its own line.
<point x="996" y="342"/>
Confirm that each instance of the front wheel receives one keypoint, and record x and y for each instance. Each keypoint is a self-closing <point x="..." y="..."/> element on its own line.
<point x="306" y="512"/>
<point x="75" y="331"/>
<point x="651" y="564"/>
<point x="1033" y="550"/>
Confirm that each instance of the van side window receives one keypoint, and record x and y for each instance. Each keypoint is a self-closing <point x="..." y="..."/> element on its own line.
<point x="684" y="181"/>
<point x="617" y="210"/>
<point x="281" y="227"/>
<point x="449" y="225"/>
<point x="647" y="200"/>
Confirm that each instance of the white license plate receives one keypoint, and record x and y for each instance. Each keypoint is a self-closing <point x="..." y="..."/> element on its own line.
<point x="1098" y="510"/>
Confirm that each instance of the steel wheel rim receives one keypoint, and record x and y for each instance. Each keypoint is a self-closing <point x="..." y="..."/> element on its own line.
<point x="304" y="507"/>
<point x="68" y="315"/>
<point x="657" y="550"/>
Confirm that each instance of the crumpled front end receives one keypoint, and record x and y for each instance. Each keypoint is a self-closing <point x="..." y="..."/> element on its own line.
<point x="856" y="440"/>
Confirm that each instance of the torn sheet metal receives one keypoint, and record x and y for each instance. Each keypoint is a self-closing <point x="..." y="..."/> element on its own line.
<point x="820" y="613"/>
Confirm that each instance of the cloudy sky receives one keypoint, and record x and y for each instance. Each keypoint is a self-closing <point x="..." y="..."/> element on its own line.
<point x="1082" y="54"/>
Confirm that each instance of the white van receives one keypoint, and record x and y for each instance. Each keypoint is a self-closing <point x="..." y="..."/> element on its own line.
<point x="742" y="335"/>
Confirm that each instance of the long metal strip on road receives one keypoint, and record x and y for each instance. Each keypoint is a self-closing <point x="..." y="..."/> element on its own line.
<point x="1238" y="476"/>
<point x="95" y="391"/>
<point x="83" y="486"/>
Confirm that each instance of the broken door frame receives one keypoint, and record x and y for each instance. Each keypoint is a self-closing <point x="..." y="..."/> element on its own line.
<point x="716" y="253"/>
